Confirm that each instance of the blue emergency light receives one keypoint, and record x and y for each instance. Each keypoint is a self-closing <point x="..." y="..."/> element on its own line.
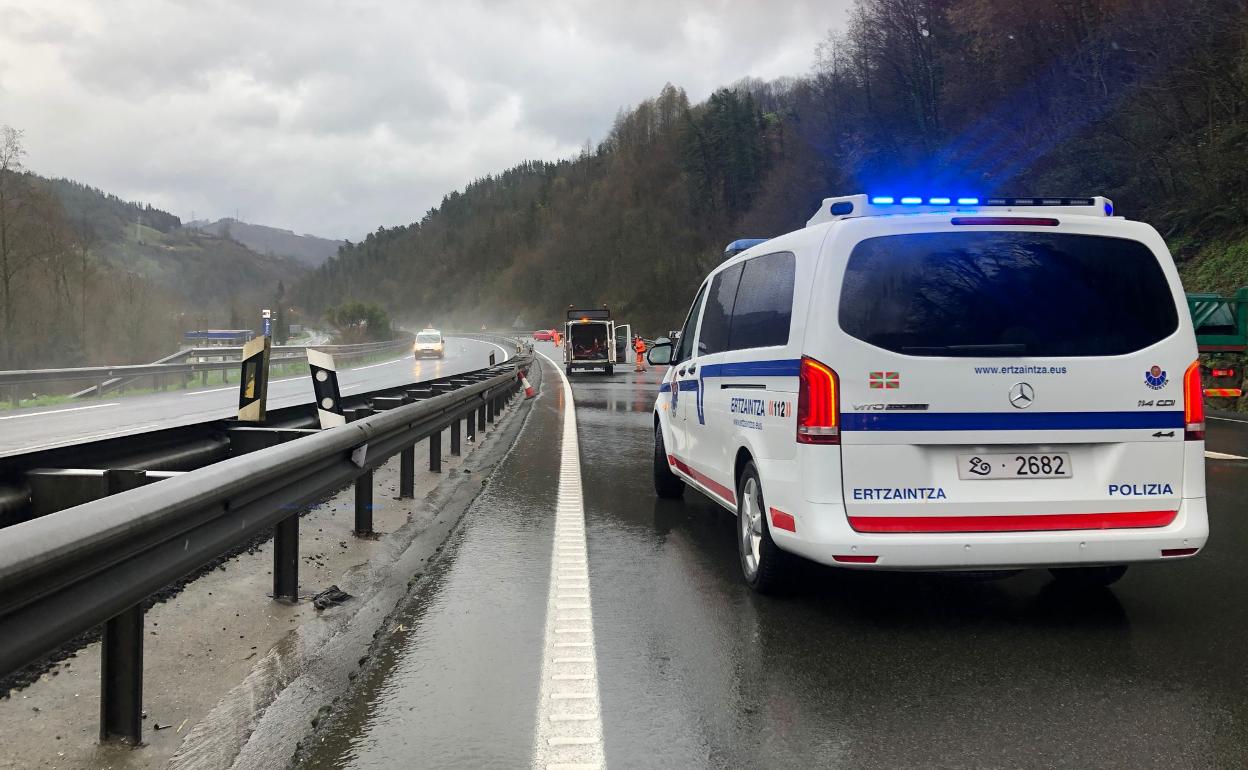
<point x="855" y="206"/>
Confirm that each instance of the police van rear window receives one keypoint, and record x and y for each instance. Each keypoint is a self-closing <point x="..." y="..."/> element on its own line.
<point x="1005" y="294"/>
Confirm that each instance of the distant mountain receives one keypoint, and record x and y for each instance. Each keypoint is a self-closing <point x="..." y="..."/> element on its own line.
<point x="207" y="269"/>
<point x="308" y="249"/>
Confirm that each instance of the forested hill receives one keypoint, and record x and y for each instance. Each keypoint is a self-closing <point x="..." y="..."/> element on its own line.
<point x="89" y="278"/>
<point x="1145" y="101"/>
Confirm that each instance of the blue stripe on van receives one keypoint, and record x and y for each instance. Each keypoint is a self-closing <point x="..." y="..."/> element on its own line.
<point x="779" y="368"/>
<point x="1010" y="420"/>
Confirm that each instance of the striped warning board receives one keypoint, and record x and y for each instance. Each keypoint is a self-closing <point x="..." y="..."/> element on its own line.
<point x="1224" y="392"/>
<point x="325" y="384"/>
<point x="253" y="389"/>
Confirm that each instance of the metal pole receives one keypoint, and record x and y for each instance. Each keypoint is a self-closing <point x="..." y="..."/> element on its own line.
<point x="364" y="503"/>
<point x="455" y="447"/>
<point x="435" y="452"/>
<point x="470" y="425"/>
<point x="489" y="410"/>
<point x="121" y="677"/>
<point x="407" y="472"/>
<point x="286" y="559"/>
<point x="481" y="418"/>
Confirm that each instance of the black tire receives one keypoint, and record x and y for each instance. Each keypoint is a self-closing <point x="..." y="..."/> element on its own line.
<point x="1090" y="577"/>
<point x="764" y="566"/>
<point x="666" y="484"/>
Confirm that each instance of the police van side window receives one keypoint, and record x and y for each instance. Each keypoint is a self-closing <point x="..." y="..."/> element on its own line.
<point x="716" y="320"/>
<point x="684" y="347"/>
<point x="764" y="306"/>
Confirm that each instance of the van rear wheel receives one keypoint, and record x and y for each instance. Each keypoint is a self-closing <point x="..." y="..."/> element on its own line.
<point x="1089" y="576"/>
<point x="763" y="565"/>
<point x="666" y="483"/>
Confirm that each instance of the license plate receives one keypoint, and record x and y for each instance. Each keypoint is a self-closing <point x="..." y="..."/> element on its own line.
<point x="1015" y="465"/>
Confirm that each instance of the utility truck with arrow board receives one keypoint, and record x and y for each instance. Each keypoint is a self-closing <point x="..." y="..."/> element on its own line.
<point x="590" y="340"/>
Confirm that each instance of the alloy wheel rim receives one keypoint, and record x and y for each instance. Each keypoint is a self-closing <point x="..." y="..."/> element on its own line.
<point x="751" y="526"/>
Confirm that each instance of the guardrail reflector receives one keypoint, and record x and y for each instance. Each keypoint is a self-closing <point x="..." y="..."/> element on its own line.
<point x="253" y="387"/>
<point x="325" y="385"/>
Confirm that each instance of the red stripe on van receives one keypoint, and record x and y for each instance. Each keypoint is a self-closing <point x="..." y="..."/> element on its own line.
<point x="1046" y="522"/>
<point x="702" y="479"/>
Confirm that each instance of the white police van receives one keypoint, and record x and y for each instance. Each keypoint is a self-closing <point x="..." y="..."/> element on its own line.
<point x="949" y="384"/>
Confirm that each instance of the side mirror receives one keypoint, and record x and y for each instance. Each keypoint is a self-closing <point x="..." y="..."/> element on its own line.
<point x="660" y="353"/>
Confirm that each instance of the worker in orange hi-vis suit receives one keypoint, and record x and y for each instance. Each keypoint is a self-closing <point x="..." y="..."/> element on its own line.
<point x="557" y="338"/>
<point x="639" y="346"/>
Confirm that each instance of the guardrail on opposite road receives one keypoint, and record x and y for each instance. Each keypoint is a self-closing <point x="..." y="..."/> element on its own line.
<point x="70" y="571"/>
<point x="165" y="372"/>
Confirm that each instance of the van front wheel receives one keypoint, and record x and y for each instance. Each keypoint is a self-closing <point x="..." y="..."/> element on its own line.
<point x="763" y="564"/>
<point x="666" y="483"/>
<point x="1089" y="576"/>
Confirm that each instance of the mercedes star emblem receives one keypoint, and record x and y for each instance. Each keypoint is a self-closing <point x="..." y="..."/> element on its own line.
<point x="1021" y="395"/>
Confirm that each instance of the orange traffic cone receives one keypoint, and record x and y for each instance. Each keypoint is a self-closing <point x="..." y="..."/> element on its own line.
<point x="529" y="391"/>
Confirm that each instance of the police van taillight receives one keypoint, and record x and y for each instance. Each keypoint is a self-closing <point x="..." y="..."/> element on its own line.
<point x="818" y="404"/>
<point x="1193" y="404"/>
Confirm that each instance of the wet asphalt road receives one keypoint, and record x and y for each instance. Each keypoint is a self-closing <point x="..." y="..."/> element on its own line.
<point x="851" y="670"/>
<point x="35" y="428"/>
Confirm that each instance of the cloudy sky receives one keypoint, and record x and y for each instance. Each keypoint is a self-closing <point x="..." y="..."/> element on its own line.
<point x="335" y="117"/>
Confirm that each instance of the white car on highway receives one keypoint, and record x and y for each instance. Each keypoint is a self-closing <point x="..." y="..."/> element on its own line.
<point x="943" y="383"/>
<point x="429" y="343"/>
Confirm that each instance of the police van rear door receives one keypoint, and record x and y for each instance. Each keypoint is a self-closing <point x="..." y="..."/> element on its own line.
<point x="1011" y="378"/>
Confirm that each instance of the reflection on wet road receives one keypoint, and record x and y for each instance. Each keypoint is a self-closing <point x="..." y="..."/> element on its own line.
<point x="851" y="670"/>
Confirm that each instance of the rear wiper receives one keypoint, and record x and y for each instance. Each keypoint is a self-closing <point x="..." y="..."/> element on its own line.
<point x="1003" y="349"/>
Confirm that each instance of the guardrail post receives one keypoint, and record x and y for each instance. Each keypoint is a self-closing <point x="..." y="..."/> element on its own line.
<point x="407" y="472"/>
<point x="435" y="452"/>
<point x="99" y="388"/>
<point x="455" y="447"/>
<point x="364" y="503"/>
<point x="121" y="677"/>
<point x="286" y="558"/>
<point x="489" y="410"/>
<point x="203" y="378"/>
<point x="121" y="651"/>
<point x="13" y="397"/>
<point x="470" y="426"/>
<point x="481" y="418"/>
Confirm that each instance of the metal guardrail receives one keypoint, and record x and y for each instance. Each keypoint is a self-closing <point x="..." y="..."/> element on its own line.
<point x="67" y="572"/>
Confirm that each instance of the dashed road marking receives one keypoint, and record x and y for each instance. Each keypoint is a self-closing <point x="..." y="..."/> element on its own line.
<point x="569" y="718"/>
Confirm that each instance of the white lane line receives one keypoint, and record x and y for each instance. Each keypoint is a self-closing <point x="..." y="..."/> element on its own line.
<point x="79" y="439"/>
<point x="383" y="363"/>
<point x="569" y="718"/>
<point x="1222" y="456"/>
<point x="57" y="411"/>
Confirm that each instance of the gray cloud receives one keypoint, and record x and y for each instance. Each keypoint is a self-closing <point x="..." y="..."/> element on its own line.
<point x="335" y="118"/>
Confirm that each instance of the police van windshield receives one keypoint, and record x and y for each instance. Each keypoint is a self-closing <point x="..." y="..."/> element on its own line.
<point x="1001" y="294"/>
